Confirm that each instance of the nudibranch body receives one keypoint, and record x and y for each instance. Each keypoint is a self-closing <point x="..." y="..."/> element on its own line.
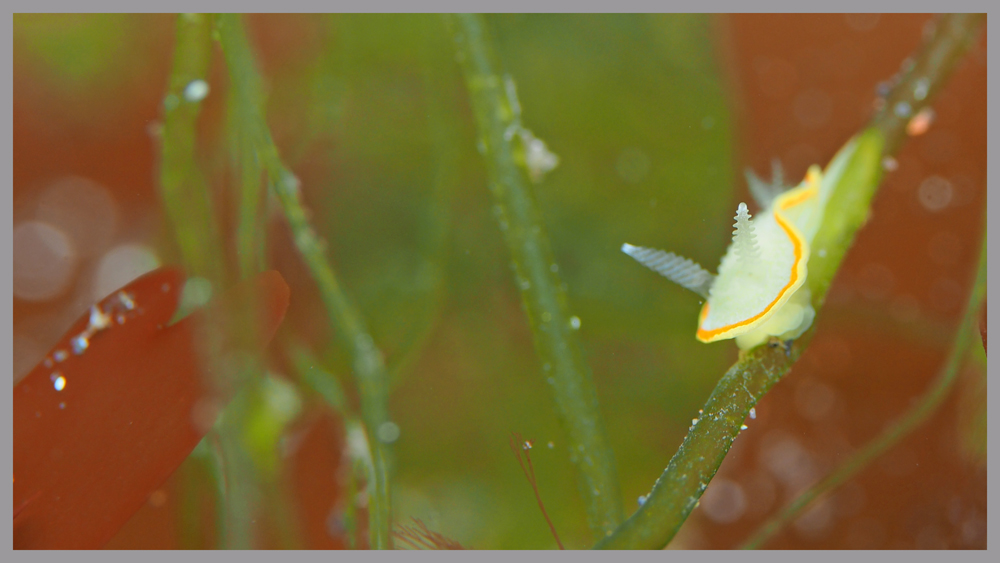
<point x="759" y="291"/>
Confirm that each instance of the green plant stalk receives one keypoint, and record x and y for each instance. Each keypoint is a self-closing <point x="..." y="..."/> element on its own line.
<point x="542" y="291"/>
<point x="183" y="188"/>
<point x="909" y="422"/>
<point x="368" y="365"/>
<point x="246" y="135"/>
<point x="185" y="192"/>
<point x="242" y="494"/>
<point x="326" y="385"/>
<point x="679" y="488"/>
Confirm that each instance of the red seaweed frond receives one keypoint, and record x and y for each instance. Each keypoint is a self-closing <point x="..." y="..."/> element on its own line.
<point x="419" y="536"/>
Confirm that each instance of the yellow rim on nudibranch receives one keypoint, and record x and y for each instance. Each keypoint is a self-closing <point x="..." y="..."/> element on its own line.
<point x="800" y="248"/>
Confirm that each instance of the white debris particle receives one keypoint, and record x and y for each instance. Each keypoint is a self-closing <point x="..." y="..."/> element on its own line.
<point x="388" y="432"/>
<point x="196" y="90"/>
<point x="80" y="344"/>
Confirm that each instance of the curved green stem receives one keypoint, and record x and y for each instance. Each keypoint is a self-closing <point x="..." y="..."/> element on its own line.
<point x="542" y="291"/>
<point x="185" y="193"/>
<point x="368" y="366"/>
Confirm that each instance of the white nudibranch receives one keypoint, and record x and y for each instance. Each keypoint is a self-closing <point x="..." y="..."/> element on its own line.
<point x="759" y="291"/>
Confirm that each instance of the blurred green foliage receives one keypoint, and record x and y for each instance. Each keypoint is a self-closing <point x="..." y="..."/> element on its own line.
<point x="371" y="113"/>
<point x="641" y="127"/>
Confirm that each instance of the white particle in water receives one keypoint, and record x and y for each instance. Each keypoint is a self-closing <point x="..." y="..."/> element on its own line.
<point x="80" y="343"/>
<point x="388" y="432"/>
<point x="574" y="322"/>
<point x="59" y="382"/>
<point x="127" y="300"/>
<point x="60" y="355"/>
<point x="642" y="500"/>
<point x="196" y="90"/>
<point x="743" y="427"/>
<point x="753" y="413"/>
<point x="98" y="319"/>
<point x="921" y="88"/>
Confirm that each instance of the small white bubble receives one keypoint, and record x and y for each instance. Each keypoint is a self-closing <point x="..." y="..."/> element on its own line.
<point x="99" y="320"/>
<point x="525" y="285"/>
<point x="574" y="322"/>
<point x="62" y="406"/>
<point x="642" y="500"/>
<point x="80" y="344"/>
<point x="551" y="445"/>
<point x="127" y="300"/>
<point x="388" y="432"/>
<point x="753" y="413"/>
<point x="743" y="427"/>
<point x="821" y="253"/>
<point x="554" y="268"/>
<point x="890" y="164"/>
<point x="903" y="109"/>
<point x="291" y="184"/>
<point x="196" y="90"/>
<point x="60" y="355"/>
<point x="546" y="317"/>
<point x="921" y="88"/>
<point x="694" y="421"/>
<point x="47" y="362"/>
<point x="59" y="382"/>
<point x="171" y="101"/>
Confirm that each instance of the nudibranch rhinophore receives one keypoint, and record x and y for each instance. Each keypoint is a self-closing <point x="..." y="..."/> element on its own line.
<point x="759" y="291"/>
